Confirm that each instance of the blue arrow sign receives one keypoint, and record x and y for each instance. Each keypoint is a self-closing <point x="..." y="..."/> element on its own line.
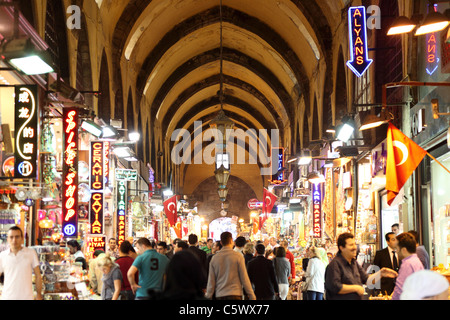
<point x="359" y="54"/>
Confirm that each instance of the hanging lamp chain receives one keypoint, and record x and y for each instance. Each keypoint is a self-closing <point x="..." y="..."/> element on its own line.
<point x="221" y="57"/>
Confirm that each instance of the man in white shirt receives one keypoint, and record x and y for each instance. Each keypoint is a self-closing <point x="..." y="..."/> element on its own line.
<point x="18" y="264"/>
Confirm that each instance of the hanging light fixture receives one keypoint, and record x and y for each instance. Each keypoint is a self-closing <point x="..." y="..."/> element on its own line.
<point x="372" y="121"/>
<point x="221" y="126"/>
<point x="433" y="22"/>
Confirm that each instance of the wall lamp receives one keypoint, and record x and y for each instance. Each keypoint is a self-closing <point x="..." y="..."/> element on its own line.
<point x="23" y="56"/>
<point x="433" y="22"/>
<point x="345" y="130"/>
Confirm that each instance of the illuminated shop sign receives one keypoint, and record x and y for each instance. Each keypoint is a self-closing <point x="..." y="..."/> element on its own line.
<point x="107" y="150"/>
<point x="357" y="32"/>
<point x="26" y="132"/>
<point x="96" y="213"/>
<point x="97" y="166"/>
<point x="278" y="161"/>
<point x="95" y="243"/>
<point x="126" y="174"/>
<point x="121" y="210"/>
<point x="317" y="211"/>
<point x="432" y="59"/>
<point x="70" y="173"/>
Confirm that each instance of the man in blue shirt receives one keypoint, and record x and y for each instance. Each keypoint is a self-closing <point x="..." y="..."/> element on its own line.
<point x="151" y="267"/>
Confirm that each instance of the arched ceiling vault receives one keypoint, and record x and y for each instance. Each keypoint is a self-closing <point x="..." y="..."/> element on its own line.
<point x="272" y="52"/>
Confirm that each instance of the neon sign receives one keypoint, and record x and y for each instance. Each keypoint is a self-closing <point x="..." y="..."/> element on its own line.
<point x="121" y="210"/>
<point x="95" y="243"/>
<point x="317" y="211"/>
<point x="107" y="149"/>
<point x="357" y="31"/>
<point x="26" y="135"/>
<point x="432" y="59"/>
<point x="70" y="173"/>
<point x="97" y="166"/>
<point x="278" y="158"/>
<point x="96" y="213"/>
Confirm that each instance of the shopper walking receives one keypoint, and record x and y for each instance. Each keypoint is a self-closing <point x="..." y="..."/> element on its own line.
<point x="344" y="277"/>
<point x="215" y="247"/>
<point x="208" y="247"/>
<point x="261" y="273"/>
<point x="315" y="275"/>
<point x="410" y="262"/>
<point x="239" y="244"/>
<point x="193" y="247"/>
<point x="425" y="285"/>
<point x="112" y="278"/>
<point x="282" y="271"/>
<point x="249" y="252"/>
<point x="184" y="278"/>
<point x="388" y="258"/>
<point x="125" y="261"/>
<point x="421" y="252"/>
<point x="227" y="273"/>
<point x="290" y="257"/>
<point x="151" y="267"/>
<point x="95" y="274"/>
<point x="18" y="263"/>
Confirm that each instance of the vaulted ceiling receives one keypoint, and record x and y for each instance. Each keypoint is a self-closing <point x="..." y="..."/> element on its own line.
<point x="273" y="53"/>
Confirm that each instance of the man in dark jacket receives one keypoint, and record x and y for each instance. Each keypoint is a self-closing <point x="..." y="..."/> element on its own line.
<point x="262" y="275"/>
<point x="199" y="253"/>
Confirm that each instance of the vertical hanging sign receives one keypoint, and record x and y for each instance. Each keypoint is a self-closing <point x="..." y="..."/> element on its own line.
<point x="317" y="211"/>
<point x="70" y="173"/>
<point x="277" y="164"/>
<point x="107" y="149"/>
<point x="121" y="210"/>
<point x="357" y="33"/>
<point x="96" y="186"/>
<point x="26" y="136"/>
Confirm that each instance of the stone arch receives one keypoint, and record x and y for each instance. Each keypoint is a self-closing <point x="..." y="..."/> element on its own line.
<point x="84" y="65"/>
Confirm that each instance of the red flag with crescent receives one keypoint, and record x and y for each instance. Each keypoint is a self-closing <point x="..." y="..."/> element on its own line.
<point x="268" y="202"/>
<point x="403" y="157"/>
<point x="170" y="209"/>
<point x="177" y="228"/>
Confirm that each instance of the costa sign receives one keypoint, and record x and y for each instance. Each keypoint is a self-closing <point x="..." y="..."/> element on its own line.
<point x="317" y="211"/>
<point x="253" y="204"/>
<point x="70" y="173"/>
<point x="26" y="132"/>
<point x="357" y="33"/>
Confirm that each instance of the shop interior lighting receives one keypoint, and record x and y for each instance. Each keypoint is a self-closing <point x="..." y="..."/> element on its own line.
<point x="134" y="136"/>
<point x="316" y="178"/>
<point x="401" y="25"/>
<point x="91" y="127"/>
<point x="305" y="159"/>
<point x="372" y="121"/>
<point x="131" y="159"/>
<point x="109" y="132"/>
<point x="346" y="129"/>
<point x="168" y="193"/>
<point x="331" y="129"/>
<point x="123" y="152"/>
<point x="433" y="22"/>
<point x="23" y="56"/>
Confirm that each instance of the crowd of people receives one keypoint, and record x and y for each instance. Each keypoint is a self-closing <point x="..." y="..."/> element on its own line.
<point x="233" y="269"/>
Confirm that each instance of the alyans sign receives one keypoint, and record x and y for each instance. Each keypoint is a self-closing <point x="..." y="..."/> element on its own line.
<point x="359" y="54"/>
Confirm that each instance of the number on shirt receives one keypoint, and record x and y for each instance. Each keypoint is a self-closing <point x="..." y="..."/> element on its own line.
<point x="154" y="264"/>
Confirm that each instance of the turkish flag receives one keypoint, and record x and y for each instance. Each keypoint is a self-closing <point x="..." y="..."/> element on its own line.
<point x="403" y="157"/>
<point x="177" y="228"/>
<point x="268" y="202"/>
<point x="170" y="209"/>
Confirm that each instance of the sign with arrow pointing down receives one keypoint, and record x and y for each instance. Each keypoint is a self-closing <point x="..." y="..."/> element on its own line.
<point x="359" y="54"/>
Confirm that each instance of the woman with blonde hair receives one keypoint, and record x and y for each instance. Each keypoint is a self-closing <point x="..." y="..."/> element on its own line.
<point x="112" y="278"/>
<point x="315" y="274"/>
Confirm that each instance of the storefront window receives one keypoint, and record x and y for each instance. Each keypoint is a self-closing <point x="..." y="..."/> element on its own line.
<point x="440" y="185"/>
<point x="389" y="216"/>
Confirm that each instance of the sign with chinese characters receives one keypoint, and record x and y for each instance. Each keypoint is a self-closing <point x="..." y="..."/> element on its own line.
<point x="95" y="243"/>
<point x="70" y="173"/>
<point x="97" y="166"/>
<point x="126" y="174"/>
<point x="357" y="33"/>
<point x="317" y="211"/>
<point x="278" y="175"/>
<point x="26" y="132"/>
<point x="121" y="210"/>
